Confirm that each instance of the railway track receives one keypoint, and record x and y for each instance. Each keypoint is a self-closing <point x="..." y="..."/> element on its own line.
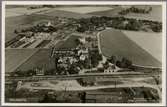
<point x="66" y="77"/>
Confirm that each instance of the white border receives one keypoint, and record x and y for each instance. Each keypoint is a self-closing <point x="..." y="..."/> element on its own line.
<point x="163" y="3"/>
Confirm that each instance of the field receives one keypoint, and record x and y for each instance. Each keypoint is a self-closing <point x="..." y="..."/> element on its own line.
<point x="151" y="42"/>
<point x="69" y="43"/>
<point x="15" y="57"/>
<point x="114" y="42"/>
<point x="18" y="11"/>
<point x="40" y="59"/>
<point x="155" y="14"/>
<point x="61" y="13"/>
<point x="110" y="13"/>
<point x="84" y="9"/>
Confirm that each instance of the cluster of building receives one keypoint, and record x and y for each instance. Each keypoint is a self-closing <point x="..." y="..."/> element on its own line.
<point x="32" y="37"/>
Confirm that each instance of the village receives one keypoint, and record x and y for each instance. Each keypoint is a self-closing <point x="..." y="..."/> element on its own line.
<point x="88" y="59"/>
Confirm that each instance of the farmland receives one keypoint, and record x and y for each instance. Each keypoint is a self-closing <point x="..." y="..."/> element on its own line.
<point x="40" y="59"/>
<point x="114" y="42"/>
<point x="62" y="13"/>
<point x="10" y="12"/>
<point x="84" y="9"/>
<point x="83" y="54"/>
<point x="111" y="12"/>
<point x="147" y="41"/>
<point x="69" y="43"/>
<point x="15" y="57"/>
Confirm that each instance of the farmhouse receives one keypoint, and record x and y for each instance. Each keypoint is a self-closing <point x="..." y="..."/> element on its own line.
<point x="110" y="69"/>
<point x="39" y="71"/>
<point x="82" y="40"/>
<point x="62" y="52"/>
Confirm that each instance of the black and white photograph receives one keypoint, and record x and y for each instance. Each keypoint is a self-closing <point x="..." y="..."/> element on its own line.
<point x="93" y="53"/>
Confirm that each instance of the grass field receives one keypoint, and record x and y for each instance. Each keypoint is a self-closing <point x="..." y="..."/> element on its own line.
<point x="110" y="12"/>
<point x="151" y="42"/>
<point x="15" y="57"/>
<point x="40" y="59"/>
<point x="69" y="43"/>
<point x="84" y="9"/>
<point x="62" y="13"/>
<point x="114" y="42"/>
<point x="18" y="11"/>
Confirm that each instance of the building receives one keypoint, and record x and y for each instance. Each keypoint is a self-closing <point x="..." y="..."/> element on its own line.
<point x="63" y="52"/>
<point x="100" y="28"/>
<point x="39" y="71"/>
<point x="110" y="69"/>
<point x="83" y="51"/>
<point x="82" y="57"/>
<point x="82" y="40"/>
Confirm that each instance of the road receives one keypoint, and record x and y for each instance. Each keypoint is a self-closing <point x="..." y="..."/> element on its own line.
<point x="73" y="85"/>
<point x="76" y="76"/>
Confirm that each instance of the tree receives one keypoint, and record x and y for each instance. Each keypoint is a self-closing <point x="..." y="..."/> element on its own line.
<point x="83" y="97"/>
<point x="124" y="63"/>
<point x="113" y="59"/>
<point x="118" y="63"/>
<point x="15" y="31"/>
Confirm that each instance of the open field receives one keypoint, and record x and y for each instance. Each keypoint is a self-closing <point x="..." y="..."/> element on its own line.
<point x="151" y="42"/>
<point x="84" y="9"/>
<point x="15" y="57"/>
<point x="155" y="14"/>
<point x="110" y="12"/>
<point x="61" y="13"/>
<point x="69" y="43"/>
<point x="40" y="59"/>
<point x="18" y="11"/>
<point x="114" y="42"/>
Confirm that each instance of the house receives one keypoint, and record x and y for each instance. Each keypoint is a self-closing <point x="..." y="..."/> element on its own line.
<point x="82" y="57"/>
<point x="82" y="40"/>
<point x="83" y="51"/>
<point x="39" y="71"/>
<point x="109" y="69"/>
<point x="49" y="24"/>
<point x="100" y="28"/>
<point x="72" y="60"/>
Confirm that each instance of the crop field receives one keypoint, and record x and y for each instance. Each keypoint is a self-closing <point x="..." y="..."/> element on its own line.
<point x="84" y="9"/>
<point x="114" y="42"/>
<point x="151" y="42"/>
<point x="110" y="12"/>
<point x="15" y="57"/>
<point x="61" y="13"/>
<point x="18" y="11"/>
<point x="69" y="43"/>
<point x="40" y="59"/>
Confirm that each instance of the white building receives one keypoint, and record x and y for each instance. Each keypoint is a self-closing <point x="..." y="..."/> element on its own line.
<point x="110" y="69"/>
<point x="82" y="57"/>
<point x="82" y="40"/>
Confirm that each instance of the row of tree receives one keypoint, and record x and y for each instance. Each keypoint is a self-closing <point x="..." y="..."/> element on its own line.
<point x="123" y="63"/>
<point x="136" y="10"/>
<point x="90" y="24"/>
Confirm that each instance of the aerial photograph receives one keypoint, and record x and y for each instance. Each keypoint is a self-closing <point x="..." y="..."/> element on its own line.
<point x="83" y="54"/>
